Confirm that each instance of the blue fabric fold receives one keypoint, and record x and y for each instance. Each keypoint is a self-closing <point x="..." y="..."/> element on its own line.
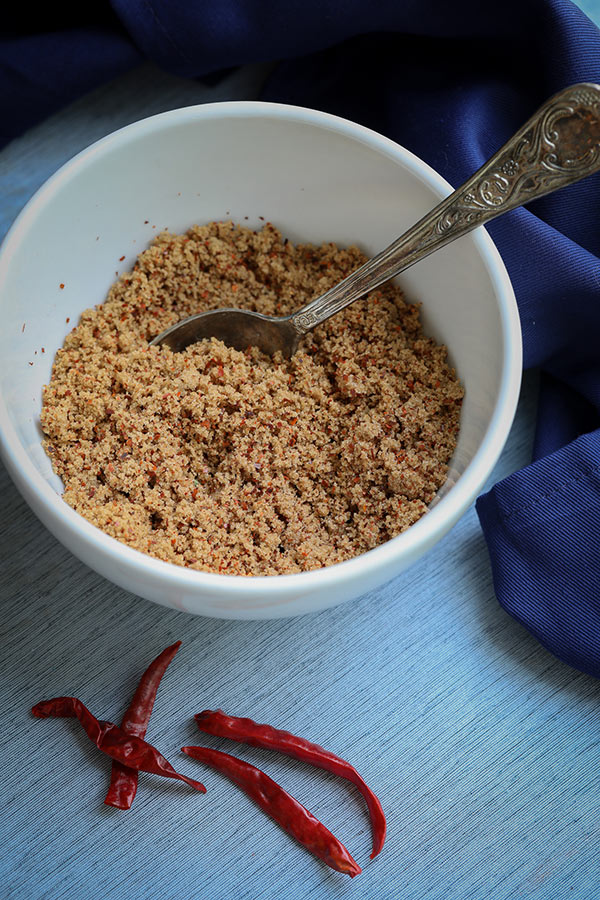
<point x="450" y="81"/>
<point x="543" y="534"/>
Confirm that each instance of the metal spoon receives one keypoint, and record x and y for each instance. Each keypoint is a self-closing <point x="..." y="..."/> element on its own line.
<point x="559" y="145"/>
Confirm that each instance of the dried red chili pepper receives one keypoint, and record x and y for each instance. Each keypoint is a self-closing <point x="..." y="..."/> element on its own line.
<point x="125" y="748"/>
<point x="124" y="779"/>
<point x="249" y="732"/>
<point x="280" y="806"/>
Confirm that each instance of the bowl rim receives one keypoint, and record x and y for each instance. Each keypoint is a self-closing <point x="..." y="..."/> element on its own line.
<point x="50" y="506"/>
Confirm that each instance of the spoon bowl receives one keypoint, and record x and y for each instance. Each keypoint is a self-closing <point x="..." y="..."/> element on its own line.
<point x="238" y="328"/>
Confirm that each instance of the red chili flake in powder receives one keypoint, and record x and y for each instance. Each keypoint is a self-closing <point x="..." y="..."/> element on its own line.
<point x="220" y="432"/>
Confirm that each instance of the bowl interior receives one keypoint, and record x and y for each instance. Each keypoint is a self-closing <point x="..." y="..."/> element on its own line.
<point x="315" y="178"/>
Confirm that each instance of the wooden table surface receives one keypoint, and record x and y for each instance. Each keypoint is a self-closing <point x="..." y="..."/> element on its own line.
<point x="483" y="748"/>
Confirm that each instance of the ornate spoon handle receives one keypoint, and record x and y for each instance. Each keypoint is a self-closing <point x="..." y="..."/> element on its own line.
<point x="559" y="145"/>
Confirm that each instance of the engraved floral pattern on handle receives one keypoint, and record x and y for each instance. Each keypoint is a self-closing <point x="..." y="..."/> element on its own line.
<point x="539" y="159"/>
<point x="559" y="145"/>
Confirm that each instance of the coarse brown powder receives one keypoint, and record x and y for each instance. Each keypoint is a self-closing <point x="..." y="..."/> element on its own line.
<point x="235" y="462"/>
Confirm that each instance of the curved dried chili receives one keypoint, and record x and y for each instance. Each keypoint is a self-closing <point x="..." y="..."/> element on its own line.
<point x="247" y="731"/>
<point x="288" y="812"/>
<point x="124" y="779"/>
<point x="128" y="749"/>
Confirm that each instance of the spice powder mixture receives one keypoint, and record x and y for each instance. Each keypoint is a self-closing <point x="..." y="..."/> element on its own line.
<point x="235" y="462"/>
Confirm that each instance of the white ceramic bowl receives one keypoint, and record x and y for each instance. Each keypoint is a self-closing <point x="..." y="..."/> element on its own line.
<point x="318" y="178"/>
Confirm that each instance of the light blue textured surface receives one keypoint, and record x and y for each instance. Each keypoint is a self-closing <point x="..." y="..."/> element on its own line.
<point x="591" y="8"/>
<point x="483" y="749"/>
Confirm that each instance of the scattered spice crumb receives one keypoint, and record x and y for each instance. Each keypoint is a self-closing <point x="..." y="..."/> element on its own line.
<point x="232" y="462"/>
<point x="61" y="286"/>
<point x="121" y="258"/>
<point x="23" y="328"/>
<point x="67" y="320"/>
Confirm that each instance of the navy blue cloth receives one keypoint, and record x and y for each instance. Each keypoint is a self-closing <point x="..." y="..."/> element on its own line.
<point x="451" y="81"/>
